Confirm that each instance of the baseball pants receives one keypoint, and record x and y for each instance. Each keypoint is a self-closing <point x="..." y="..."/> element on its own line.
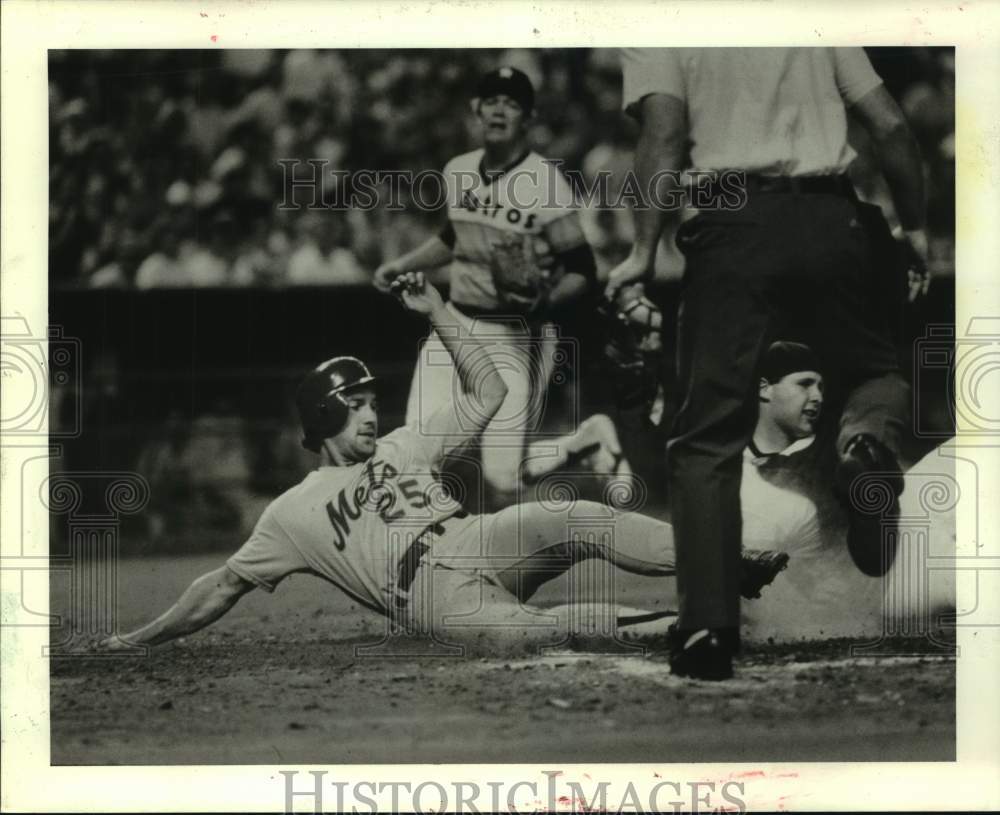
<point x="786" y="266"/>
<point x="504" y="558"/>
<point x="525" y="364"/>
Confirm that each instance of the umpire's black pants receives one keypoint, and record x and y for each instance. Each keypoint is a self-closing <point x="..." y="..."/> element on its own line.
<point x="787" y="266"/>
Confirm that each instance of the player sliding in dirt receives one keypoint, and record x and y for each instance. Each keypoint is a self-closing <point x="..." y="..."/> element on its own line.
<point x="376" y="520"/>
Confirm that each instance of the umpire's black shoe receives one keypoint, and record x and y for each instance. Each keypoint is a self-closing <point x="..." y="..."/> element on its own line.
<point x="872" y="505"/>
<point x="705" y="654"/>
<point x="758" y="569"/>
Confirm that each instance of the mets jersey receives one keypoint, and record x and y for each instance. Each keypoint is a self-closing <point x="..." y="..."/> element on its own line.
<point x="531" y="198"/>
<point x="352" y="525"/>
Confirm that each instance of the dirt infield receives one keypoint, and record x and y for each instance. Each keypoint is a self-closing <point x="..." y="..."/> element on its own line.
<point x="281" y="679"/>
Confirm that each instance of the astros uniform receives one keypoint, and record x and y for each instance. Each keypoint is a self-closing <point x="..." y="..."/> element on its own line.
<point x="529" y="200"/>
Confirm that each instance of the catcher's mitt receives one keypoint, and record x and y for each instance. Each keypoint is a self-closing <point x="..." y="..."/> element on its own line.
<point x="521" y="281"/>
<point x="633" y="324"/>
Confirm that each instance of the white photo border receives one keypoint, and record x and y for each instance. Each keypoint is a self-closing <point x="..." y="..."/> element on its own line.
<point x="29" y="29"/>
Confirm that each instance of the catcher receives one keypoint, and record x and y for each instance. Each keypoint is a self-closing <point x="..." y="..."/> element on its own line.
<point x="376" y="520"/>
<point x="517" y="256"/>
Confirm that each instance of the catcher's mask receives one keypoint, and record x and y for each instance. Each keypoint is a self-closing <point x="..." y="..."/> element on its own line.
<point x="320" y="398"/>
<point x="633" y="346"/>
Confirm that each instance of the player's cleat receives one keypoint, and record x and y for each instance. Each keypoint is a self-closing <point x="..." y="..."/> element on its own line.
<point x="593" y="447"/>
<point x="704" y="654"/>
<point x="871" y="503"/>
<point x="759" y="568"/>
<point x="597" y="441"/>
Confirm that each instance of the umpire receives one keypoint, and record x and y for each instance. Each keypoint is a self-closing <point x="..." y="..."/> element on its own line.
<point x="801" y="258"/>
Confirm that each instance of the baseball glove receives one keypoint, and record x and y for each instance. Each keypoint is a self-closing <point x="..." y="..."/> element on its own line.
<point x="633" y="344"/>
<point x="521" y="281"/>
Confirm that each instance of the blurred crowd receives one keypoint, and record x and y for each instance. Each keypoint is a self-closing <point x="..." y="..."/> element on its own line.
<point x="165" y="165"/>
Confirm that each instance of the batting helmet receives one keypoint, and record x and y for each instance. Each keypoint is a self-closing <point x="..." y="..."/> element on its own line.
<point x="322" y="407"/>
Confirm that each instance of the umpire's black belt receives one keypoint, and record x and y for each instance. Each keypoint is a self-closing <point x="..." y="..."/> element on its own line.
<point x="801" y="185"/>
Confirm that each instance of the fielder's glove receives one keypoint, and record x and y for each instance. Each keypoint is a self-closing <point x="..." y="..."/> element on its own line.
<point x="521" y="281"/>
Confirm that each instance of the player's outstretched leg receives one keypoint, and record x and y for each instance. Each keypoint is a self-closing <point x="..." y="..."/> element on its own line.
<point x="533" y="543"/>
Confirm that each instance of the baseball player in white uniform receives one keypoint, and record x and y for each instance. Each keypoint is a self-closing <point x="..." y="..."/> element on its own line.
<point x="517" y="254"/>
<point x="376" y="520"/>
<point x="790" y="507"/>
<point x="774" y="505"/>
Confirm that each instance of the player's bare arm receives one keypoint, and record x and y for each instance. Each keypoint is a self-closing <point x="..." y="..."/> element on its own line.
<point x="570" y="288"/>
<point x="567" y="276"/>
<point x="899" y="157"/>
<point x="483" y="390"/>
<point x="431" y="254"/>
<point x="661" y="146"/>
<point x="203" y="602"/>
<point x="577" y="270"/>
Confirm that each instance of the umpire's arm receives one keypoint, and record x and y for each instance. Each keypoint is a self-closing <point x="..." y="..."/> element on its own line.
<point x="898" y="155"/>
<point x="659" y="157"/>
<point x="204" y="602"/>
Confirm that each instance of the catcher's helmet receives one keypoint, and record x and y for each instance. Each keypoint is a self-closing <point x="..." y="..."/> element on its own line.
<point x="322" y="408"/>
